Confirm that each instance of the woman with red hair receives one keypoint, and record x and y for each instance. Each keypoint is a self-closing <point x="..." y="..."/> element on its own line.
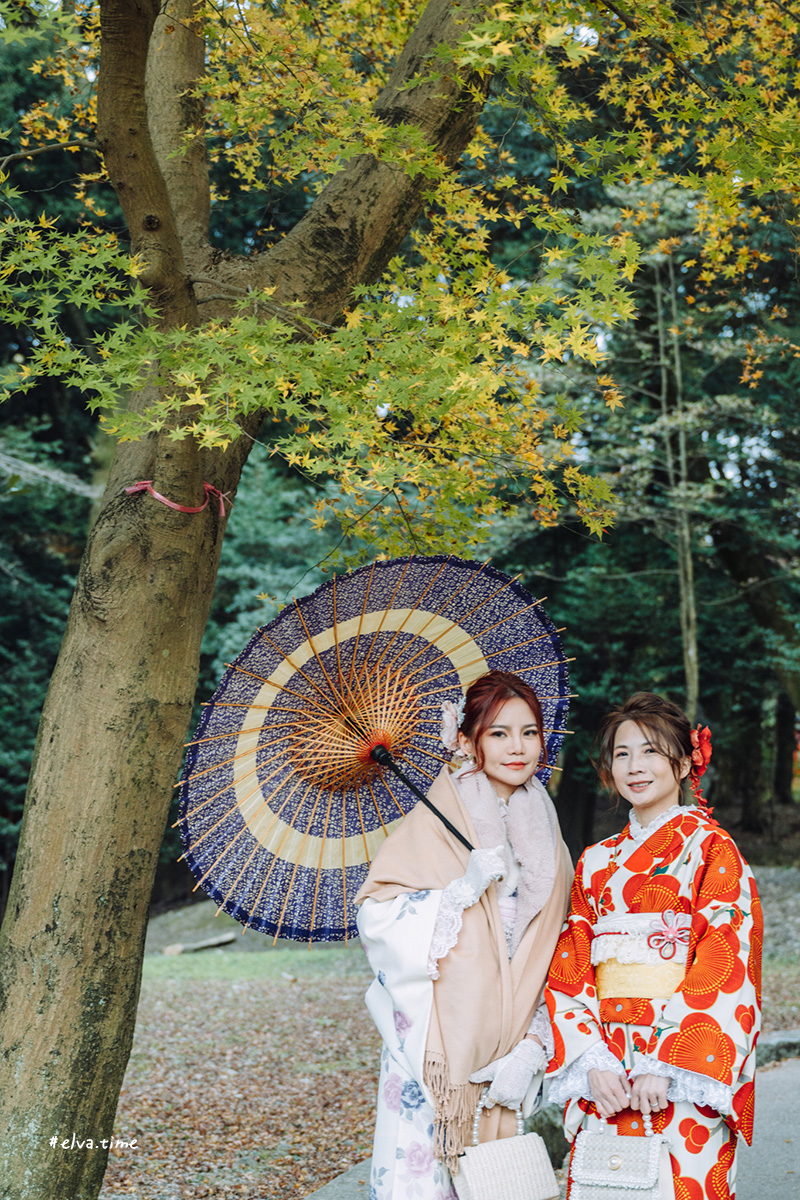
<point x="460" y="944"/>
<point x="654" y="989"/>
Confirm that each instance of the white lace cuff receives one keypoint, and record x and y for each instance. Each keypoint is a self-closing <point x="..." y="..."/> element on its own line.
<point x="574" y="1083"/>
<point x="455" y="898"/>
<point x="540" y="1027"/>
<point x="688" y="1085"/>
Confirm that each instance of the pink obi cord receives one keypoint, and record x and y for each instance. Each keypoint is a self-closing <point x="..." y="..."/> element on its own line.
<point x="146" y="485"/>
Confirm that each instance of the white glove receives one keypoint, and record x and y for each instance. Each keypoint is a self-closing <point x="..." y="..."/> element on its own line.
<point x="512" y="1074"/>
<point x="484" y="867"/>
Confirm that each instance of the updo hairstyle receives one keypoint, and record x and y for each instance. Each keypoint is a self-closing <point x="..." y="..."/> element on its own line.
<point x="485" y="697"/>
<point x="665" y="723"/>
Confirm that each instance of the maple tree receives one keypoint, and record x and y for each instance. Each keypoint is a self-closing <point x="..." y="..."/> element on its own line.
<point x="375" y="335"/>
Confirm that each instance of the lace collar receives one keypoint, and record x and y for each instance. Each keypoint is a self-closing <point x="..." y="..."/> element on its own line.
<point x="640" y="833"/>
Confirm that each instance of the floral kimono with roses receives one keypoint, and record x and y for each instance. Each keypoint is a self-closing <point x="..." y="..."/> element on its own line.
<point x="658" y="971"/>
<point x="455" y="987"/>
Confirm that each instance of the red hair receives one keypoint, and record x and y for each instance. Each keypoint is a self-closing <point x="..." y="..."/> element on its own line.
<point x="484" y="699"/>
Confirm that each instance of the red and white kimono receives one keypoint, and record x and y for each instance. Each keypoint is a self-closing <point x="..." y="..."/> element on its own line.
<point x="658" y="970"/>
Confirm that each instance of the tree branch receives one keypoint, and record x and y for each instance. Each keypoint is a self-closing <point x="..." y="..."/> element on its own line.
<point x="175" y="62"/>
<point x="358" y="221"/>
<point x="24" y="154"/>
<point x="662" y="48"/>
<point x="123" y="137"/>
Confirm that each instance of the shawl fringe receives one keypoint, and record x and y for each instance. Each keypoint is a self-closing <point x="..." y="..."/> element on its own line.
<point x="454" y="1111"/>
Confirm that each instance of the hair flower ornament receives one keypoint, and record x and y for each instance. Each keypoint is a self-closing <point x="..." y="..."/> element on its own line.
<point x="701" y="757"/>
<point x="452" y="716"/>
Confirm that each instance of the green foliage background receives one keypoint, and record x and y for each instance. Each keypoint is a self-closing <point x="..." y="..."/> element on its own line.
<point x="617" y="597"/>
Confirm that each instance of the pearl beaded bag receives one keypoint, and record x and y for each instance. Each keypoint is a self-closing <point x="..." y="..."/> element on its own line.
<point x="516" y="1167"/>
<point x="612" y="1166"/>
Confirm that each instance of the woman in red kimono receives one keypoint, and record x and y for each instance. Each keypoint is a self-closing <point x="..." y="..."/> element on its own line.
<point x="654" y="989"/>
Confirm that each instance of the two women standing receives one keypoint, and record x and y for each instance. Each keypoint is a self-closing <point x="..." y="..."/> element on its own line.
<point x="652" y="1005"/>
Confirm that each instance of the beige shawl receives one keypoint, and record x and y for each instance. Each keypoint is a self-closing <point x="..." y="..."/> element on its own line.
<point x="482" y="1002"/>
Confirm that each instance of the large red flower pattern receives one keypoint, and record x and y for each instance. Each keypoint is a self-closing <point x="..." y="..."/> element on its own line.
<point x="571" y="968"/>
<point x="629" y="1122"/>
<point x="559" y="1054"/>
<point x="615" y="1040"/>
<point x="667" y="842"/>
<point x="685" y="1187"/>
<point x="627" y="1011"/>
<point x="599" y="889"/>
<point x="744" y="1103"/>
<point x="655" y="893"/>
<point x="746" y="1016"/>
<point x="559" y="1051"/>
<point x="719" y="876"/>
<point x="717" y="968"/>
<point x="700" y="1046"/>
<point x="717" y="1186"/>
<point x="579" y="903"/>
<point x="640" y="862"/>
<point x="756" y="940"/>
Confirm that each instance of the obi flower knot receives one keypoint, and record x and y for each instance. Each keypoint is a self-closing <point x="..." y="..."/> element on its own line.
<point x="668" y="933"/>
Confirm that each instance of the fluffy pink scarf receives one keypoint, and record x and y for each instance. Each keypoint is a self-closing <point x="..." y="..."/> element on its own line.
<point x="532" y="831"/>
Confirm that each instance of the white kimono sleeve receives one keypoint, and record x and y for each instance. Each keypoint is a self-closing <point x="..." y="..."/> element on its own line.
<point x="396" y="935"/>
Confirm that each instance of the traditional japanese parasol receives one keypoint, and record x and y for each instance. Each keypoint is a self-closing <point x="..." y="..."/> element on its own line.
<point x="282" y="801"/>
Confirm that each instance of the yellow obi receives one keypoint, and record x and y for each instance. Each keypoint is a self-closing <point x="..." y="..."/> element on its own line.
<point x="640" y="956"/>
<point x="641" y="981"/>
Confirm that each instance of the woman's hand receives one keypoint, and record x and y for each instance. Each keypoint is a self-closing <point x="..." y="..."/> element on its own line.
<point x="484" y="867"/>
<point x="610" y="1092"/>
<point x="649" y="1093"/>
<point x="511" y="1075"/>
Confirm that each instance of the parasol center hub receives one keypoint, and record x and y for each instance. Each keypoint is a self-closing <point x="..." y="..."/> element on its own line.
<point x="360" y="732"/>
<point x="380" y="754"/>
<point x="376" y="740"/>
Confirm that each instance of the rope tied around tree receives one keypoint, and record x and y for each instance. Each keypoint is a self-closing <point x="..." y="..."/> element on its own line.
<point x="146" y="485"/>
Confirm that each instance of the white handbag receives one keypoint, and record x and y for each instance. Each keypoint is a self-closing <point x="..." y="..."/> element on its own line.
<point x="612" y="1166"/>
<point x="515" y="1168"/>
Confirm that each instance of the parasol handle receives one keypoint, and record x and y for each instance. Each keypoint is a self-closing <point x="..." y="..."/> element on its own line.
<point x="384" y="759"/>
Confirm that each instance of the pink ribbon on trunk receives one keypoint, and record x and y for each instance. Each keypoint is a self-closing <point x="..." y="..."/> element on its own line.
<point x="146" y="485"/>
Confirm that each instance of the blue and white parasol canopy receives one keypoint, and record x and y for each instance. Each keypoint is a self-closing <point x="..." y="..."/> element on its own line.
<point x="282" y="806"/>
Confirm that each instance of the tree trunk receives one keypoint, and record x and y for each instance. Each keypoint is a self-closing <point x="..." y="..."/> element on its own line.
<point x="678" y="478"/>
<point x="575" y="801"/>
<point x="758" y="578"/>
<point x="737" y="771"/>
<point x="751" y="781"/>
<point x="785" y="746"/>
<point x="116" y="713"/>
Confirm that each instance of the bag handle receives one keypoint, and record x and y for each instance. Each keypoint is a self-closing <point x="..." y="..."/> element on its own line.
<point x="646" y="1121"/>
<point x="479" y="1109"/>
